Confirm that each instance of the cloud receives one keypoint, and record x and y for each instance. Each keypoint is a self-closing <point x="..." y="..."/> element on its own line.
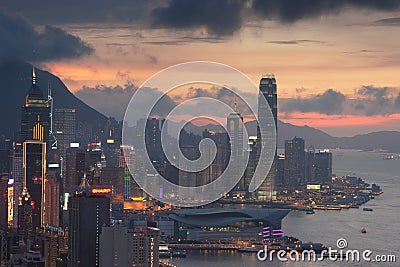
<point x="397" y="101"/>
<point x="20" y="40"/>
<point x="330" y="102"/>
<point x="368" y="100"/>
<point x="223" y="94"/>
<point x="73" y="11"/>
<point x="225" y="17"/>
<point x="373" y="100"/>
<point x="295" y="42"/>
<point x="113" y="100"/>
<point x="289" y="11"/>
<point x="387" y="22"/>
<point x="110" y="100"/>
<point x="220" y="17"/>
<point x="216" y="17"/>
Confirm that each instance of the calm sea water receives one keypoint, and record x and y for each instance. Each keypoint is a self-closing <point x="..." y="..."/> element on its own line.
<point x="383" y="224"/>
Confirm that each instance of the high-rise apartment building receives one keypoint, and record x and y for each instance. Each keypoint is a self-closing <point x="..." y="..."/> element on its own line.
<point x="323" y="166"/>
<point x="89" y="211"/>
<point x="145" y="247"/>
<point x="116" y="246"/>
<point x="294" y="166"/>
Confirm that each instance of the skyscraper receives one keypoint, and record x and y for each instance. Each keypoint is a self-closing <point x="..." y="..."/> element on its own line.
<point x="310" y="165"/>
<point x="235" y="131"/>
<point x="89" y="211"/>
<point x="323" y="166"/>
<point x="65" y="130"/>
<point x="268" y="91"/>
<point x="145" y="247"/>
<point x="36" y="110"/>
<point x="34" y="166"/>
<point x="52" y="196"/>
<point x="294" y="166"/>
<point x="116" y="246"/>
<point x="18" y="176"/>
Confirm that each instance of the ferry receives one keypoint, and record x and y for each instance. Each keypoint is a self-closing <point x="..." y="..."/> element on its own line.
<point x="367" y="209"/>
<point x="249" y="249"/>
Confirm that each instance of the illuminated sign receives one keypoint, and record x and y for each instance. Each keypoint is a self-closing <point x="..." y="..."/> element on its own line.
<point x="66" y="197"/>
<point x="10" y="205"/>
<point x="313" y="187"/>
<point x="74" y="145"/>
<point x="53" y="165"/>
<point x="101" y="191"/>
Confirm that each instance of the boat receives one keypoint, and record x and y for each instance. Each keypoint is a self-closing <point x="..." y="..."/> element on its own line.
<point x="310" y="212"/>
<point x="367" y="209"/>
<point x="364" y="231"/>
<point x="248" y="249"/>
<point x="389" y="157"/>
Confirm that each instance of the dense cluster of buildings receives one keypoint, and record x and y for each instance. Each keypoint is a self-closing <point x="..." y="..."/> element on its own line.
<point x="59" y="191"/>
<point x="69" y="198"/>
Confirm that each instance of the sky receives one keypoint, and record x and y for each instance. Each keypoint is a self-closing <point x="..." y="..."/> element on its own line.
<point x="336" y="61"/>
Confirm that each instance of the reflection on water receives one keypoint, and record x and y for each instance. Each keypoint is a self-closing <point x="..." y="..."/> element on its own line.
<point x="327" y="226"/>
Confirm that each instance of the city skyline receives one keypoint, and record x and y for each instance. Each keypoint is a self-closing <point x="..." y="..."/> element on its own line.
<point x="338" y="53"/>
<point x="199" y="133"/>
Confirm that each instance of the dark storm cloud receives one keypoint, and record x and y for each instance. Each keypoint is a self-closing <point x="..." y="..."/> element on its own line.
<point x="78" y="11"/>
<point x="290" y="11"/>
<point x="224" y="17"/>
<point x="221" y="17"/>
<point x="20" y="40"/>
<point x="330" y="102"/>
<point x="217" y="17"/>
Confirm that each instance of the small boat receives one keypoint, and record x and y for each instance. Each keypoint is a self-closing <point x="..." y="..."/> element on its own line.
<point x="367" y="209"/>
<point x="249" y="249"/>
<point x="364" y="231"/>
<point x="310" y="212"/>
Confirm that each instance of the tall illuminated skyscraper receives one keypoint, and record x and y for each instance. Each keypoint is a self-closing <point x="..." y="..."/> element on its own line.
<point x="268" y="90"/>
<point x="34" y="166"/>
<point x="36" y="109"/>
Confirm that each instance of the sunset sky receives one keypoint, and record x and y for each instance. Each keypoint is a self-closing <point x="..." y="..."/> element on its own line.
<point x="337" y="63"/>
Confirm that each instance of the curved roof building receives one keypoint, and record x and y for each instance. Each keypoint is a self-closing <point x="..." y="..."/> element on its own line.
<point x="219" y="217"/>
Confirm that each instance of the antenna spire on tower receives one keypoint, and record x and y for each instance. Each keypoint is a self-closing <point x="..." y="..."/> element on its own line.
<point x="33" y="75"/>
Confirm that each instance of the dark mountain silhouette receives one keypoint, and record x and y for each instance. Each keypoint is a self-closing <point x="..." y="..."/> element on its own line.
<point x="15" y="81"/>
<point x="385" y="140"/>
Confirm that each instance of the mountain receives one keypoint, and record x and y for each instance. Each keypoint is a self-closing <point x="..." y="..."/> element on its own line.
<point x="15" y="81"/>
<point x="385" y="140"/>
